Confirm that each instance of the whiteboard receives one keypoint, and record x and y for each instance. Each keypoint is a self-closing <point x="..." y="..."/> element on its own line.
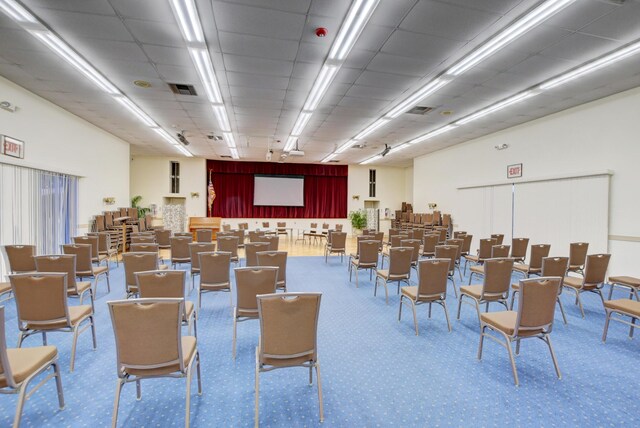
<point x="278" y="190"/>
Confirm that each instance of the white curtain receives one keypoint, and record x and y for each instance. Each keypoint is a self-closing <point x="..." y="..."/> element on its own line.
<point x="36" y="208"/>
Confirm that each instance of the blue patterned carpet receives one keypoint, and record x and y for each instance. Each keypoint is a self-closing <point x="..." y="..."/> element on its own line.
<point x="375" y="371"/>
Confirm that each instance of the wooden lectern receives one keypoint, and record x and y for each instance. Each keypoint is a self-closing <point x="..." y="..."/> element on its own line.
<point x="212" y="223"/>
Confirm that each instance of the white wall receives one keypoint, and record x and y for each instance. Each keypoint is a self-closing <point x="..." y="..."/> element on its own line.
<point x="602" y="135"/>
<point x="56" y="140"/>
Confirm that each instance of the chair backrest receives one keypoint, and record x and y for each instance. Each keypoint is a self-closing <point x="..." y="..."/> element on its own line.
<point x="251" y="249"/>
<point x="429" y="243"/>
<point x="148" y="219"/>
<point x="459" y="233"/>
<point x="187" y="234"/>
<point x="432" y="277"/>
<point x="108" y="219"/>
<point x="92" y="240"/>
<point x="500" y="251"/>
<point x="288" y="325"/>
<point x="180" y="247"/>
<point x="229" y="244"/>
<point x="99" y="221"/>
<point x="449" y="252"/>
<point x="436" y="217"/>
<point x="497" y="277"/>
<point x="161" y="283"/>
<point x="204" y="235"/>
<point x="537" y="304"/>
<point x="338" y="241"/>
<point x="243" y="226"/>
<point x="5" y="368"/>
<point x="228" y="233"/>
<point x="142" y="223"/>
<point x="59" y="263"/>
<point x="396" y="239"/>
<point x="273" y="240"/>
<point x="40" y="298"/>
<point x="466" y="243"/>
<point x="274" y="258"/>
<point x="368" y="252"/>
<point x="214" y="267"/>
<point x="226" y="227"/>
<point x="142" y="239"/>
<point x="313" y="227"/>
<point x="255" y="235"/>
<point x="555" y="266"/>
<point x="578" y="253"/>
<point x="83" y="256"/>
<point x="148" y="334"/>
<point x="132" y="212"/>
<point x="415" y="244"/>
<point x="265" y="224"/>
<point x="144" y="248"/>
<point x="400" y="261"/>
<point x="519" y="248"/>
<point x="240" y="234"/>
<point x="199" y="247"/>
<point x="104" y="242"/>
<point x="393" y="232"/>
<point x="498" y="237"/>
<point x="595" y="268"/>
<point x="251" y="281"/>
<point x="485" y="248"/>
<point x="282" y="225"/>
<point x="163" y="237"/>
<point x="138" y="262"/>
<point x="325" y="227"/>
<point x="538" y="253"/>
<point x="339" y="227"/>
<point x="457" y="242"/>
<point x="446" y="219"/>
<point x="443" y="236"/>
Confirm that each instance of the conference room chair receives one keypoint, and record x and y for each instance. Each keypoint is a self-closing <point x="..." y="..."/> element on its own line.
<point x="415" y="256"/>
<point x="394" y="241"/>
<point x="379" y="236"/>
<point x="497" y="251"/>
<point x="392" y="232"/>
<point x="142" y="239"/>
<point x="265" y="225"/>
<point x="278" y="259"/>
<point x="254" y="235"/>
<point x="214" y="274"/>
<point x="629" y="283"/>
<point x="551" y="266"/>
<point x="163" y="238"/>
<point x="138" y="262"/>
<point x="533" y="319"/>
<point x="240" y="233"/>
<point x="621" y="308"/>
<point x="146" y="248"/>
<point x="204" y="235"/>
<point x="243" y="226"/>
<point x="484" y="253"/>
<point x="459" y="234"/>
<point x="96" y="257"/>
<point x="251" y="282"/>
<point x="273" y="240"/>
<point x="399" y="270"/>
<point x="592" y="281"/>
<point x="325" y="229"/>
<point x="149" y="344"/>
<point x="442" y="237"/>
<point x="226" y="227"/>
<point x="229" y="233"/>
<point x="66" y="263"/>
<point x="498" y="237"/>
<point x="494" y="287"/>
<point x="296" y="346"/>
<point x="458" y="242"/>
<point x="338" y="245"/>
<point x="466" y="244"/>
<point x="229" y="244"/>
<point x="338" y="227"/>
<point x="20" y="258"/>
<point x="429" y="243"/>
<point x="250" y="250"/>
<point x="519" y="249"/>
<point x="358" y="240"/>
<point x="180" y="252"/>
<point x="184" y="234"/>
<point x="578" y="256"/>
<point x="538" y="252"/>
<point x="19" y="366"/>
<point x="432" y="288"/>
<point x="365" y="232"/>
<point x="84" y="267"/>
<point x="366" y="258"/>
<point x="437" y="217"/>
<point x="449" y="252"/>
<point x="106" y="246"/>
<point x="158" y="284"/>
<point x="327" y="242"/>
<point x="312" y="232"/>
<point x="5" y="291"/>
<point x="41" y="306"/>
<point x="194" y="249"/>
<point x="281" y="228"/>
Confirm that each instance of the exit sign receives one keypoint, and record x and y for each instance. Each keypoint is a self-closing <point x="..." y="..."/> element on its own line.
<point x="514" y="171"/>
<point x="12" y="147"/>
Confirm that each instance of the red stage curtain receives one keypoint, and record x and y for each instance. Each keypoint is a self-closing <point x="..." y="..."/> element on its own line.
<point x="325" y="190"/>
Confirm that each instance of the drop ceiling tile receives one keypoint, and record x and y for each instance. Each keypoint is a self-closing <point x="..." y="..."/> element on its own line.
<point x="303" y="85"/>
<point x="372" y="92"/>
<point x="347" y="75"/>
<point x="580" y="47"/>
<point x="373" y="37"/>
<point x="148" y="10"/>
<point x="312" y="52"/>
<point x="167" y="55"/>
<point x="538" y="39"/>
<point x="247" y="64"/>
<point x="269" y="94"/>
<point x="495" y="6"/>
<point x="305" y="70"/>
<point x="542" y="67"/>
<point x="177" y="74"/>
<point x="253" y="102"/>
<point x="420" y="46"/>
<point x="257" y="80"/>
<point x="155" y="33"/>
<point x="99" y="7"/>
<point x="387" y="63"/>
<point x="359" y="58"/>
<point x="100" y="51"/>
<point x="579" y="14"/>
<point x="397" y="82"/>
<point x="75" y="26"/>
<point x="330" y="8"/>
<point x="391" y="12"/>
<point x="622" y="24"/>
<point x="261" y="47"/>
<point x="258" y="21"/>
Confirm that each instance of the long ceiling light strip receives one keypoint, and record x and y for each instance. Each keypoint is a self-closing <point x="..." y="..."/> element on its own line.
<point x="37" y="29"/>
<point x="188" y="19"/>
<point x="494" y="44"/>
<point x="352" y="26"/>
<point x="580" y="71"/>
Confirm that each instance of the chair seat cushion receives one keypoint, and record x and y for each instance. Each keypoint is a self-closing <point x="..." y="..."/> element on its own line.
<point x="215" y="287"/>
<point x="5" y="287"/>
<point x="163" y="267"/>
<point x="410" y="291"/>
<point x="360" y="265"/>
<point x="288" y="362"/>
<point x="505" y="321"/>
<point x="188" y="350"/>
<point x="625" y="280"/>
<point x="477" y="269"/>
<point x="626" y="306"/>
<point x="515" y="286"/>
<point x="575" y="282"/>
<point x="77" y="314"/>
<point x="475" y="291"/>
<point x="81" y="287"/>
<point x="100" y="270"/>
<point x="26" y="361"/>
<point x="521" y="267"/>
<point x="472" y="258"/>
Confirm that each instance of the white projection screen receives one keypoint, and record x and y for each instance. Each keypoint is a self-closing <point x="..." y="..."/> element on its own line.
<point x="278" y="190"/>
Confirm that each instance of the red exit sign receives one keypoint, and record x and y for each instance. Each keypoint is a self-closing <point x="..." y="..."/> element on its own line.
<point x="514" y="171"/>
<point x="12" y="147"/>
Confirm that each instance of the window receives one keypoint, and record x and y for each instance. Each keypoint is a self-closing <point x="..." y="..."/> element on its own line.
<point x="372" y="183"/>
<point x="175" y="177"/>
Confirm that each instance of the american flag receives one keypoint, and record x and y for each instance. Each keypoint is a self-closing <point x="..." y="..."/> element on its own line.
<point x="211" y="194"/>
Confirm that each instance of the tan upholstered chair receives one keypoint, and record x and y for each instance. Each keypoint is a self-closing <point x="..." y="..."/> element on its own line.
<point x="41" y="302"/>
<point x="338" y="227"/>
<point x="240" y="233"/>
<point x="214" y="273"/>
<point x="466" y="245"/>
<point x="204" y="235"/>
<point x="443" y="235"/>
<point x="184" y="235"/>
<point x="94" y="241"/>
<point x="180" y="252"/>
<point x="278" y="259"/>
<point x="519" y="249"/>
<point x="484" y="253"/>
<point x="145" y="248"/>
<point x="533" y="319"/>
<point x="226" y="227"/>
<point x="163" y="238"/>
<point x="107" y="246"/>
<point x="357" y="253"/>
<point x="394" y="241"/>
<point x="5" y="291"/>
<point x="459" y="234"/>
<point x="338" y="245"/>
<point x="20" y="258"/>
<point x="19" y="366"/>
<point x="273" y="240"/>
<point x="66" y="263"/>
<point x="288" y="337"/>
<point x="431" y="288"/>
<point x="399" y="269"/>
<point x="392" y="232"/>
<point x="194" y="249"/>
<point x="142" y="239"/>
<point x="243" y="226"/>
<point x="458" y="242"/>
<point x="265" y="225"/>
<point x="84" y="267"/>
<point x="415" y="244"/>
<point x="281" y="228"/>
<point x="498" y="237"/>
<point x="595" y="271"/>
<point x="229" y="244"/>
<point x="138" y="262"/>
<point x="449" y="252"/>
<point x="367" y="258"/>
<point x="497" y="251"/>
<point x="250" y="282"/>
<point x="168" y="283"/>
<point x="149" y="344"/>
<point x="250" y="250"/>
<point x="429" y="243"/>
<point x="622" y="308"/>
<point x="578" y="256"/>
<point x="629" y="283"/>
<point x="255" y="235"/>
<point x="538" y="252"/>
<point x="494" y="288"/>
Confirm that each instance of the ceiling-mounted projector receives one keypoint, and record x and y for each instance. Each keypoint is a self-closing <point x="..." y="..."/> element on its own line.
<point x="296" y="153"/>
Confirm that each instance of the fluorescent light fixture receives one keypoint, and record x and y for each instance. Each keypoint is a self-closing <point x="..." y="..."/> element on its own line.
<point x="604" y="61"/>
<point x="432" y="134"/>
<point x="495" y="107"/>
<point x="506" y="36"/>
<point x="234" y="153"/>
<point x="202" y="61"/>
<point x="328" y="158"/>
<point x="184" y="151"/>
<point x="17" y="12"/>
<point x="229" y="138"/>
<point x="398" y="148"/>
<point x="345" y="146"/>
<point x="137" y="112"/>
<point x="291" y="142"/>
<point x="167" y="137"/>
<point x="301" y="122"/>
<point x="188" y="19"/>
<point x="423" y="92"/>
<point x="222" y="118"/>
<point x="371" y="128"/>
<point x="64" y="50"/>
<point x="372" y="159"/>
<point x="357" y="17"/>
<point x="320" y="86"/>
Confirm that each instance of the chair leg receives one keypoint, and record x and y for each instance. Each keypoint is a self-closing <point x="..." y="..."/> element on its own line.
<point x="610" y="290"/>
<point x="198" y="373"/>
<point x="415" y="318"/>
<point x="553" y="357"/>
<point x="513" y="297"/>
<point x="606" y="326"/>
<point x="73" y="348"/>
<point x="455" y="289"/>
<point x="429" y="310"/>
<point x="116" y="403"/>
<point x="108" y="283"/>
<point x="513" y="361"/>
<point x="631" y="327"/>
<point x="459" y="305"/>
<point x="517" y="346"/>
<point x="579" y="303"/>
<point x="400" y="308"/>
<point x="257" y="391"/>
<point x="93" y="332"/>
<point x="446" y="315"/>
<point x="56" y="372"/>
<point x="319" y="392"/>
<point x="482" y="333"/>
<point x="19" y="406"/>
<point x="478" y="308"/>
<point x="138" y="390"/>
<point x="564" y="317"/>
<point x="375" y="288"/>
<point x="235" y="325"/>
<point x="187" y="416"/>
<point x="470" y="277"/>
<point x="20" y="339"/>
<point x="44" y="338"/>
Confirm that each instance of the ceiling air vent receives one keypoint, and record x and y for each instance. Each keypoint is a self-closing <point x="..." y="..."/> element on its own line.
<point x="182" y="89"/>
<point x="225" y="156"/>
<point x="334" y="161"/>
<point x="420" y="110"/>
